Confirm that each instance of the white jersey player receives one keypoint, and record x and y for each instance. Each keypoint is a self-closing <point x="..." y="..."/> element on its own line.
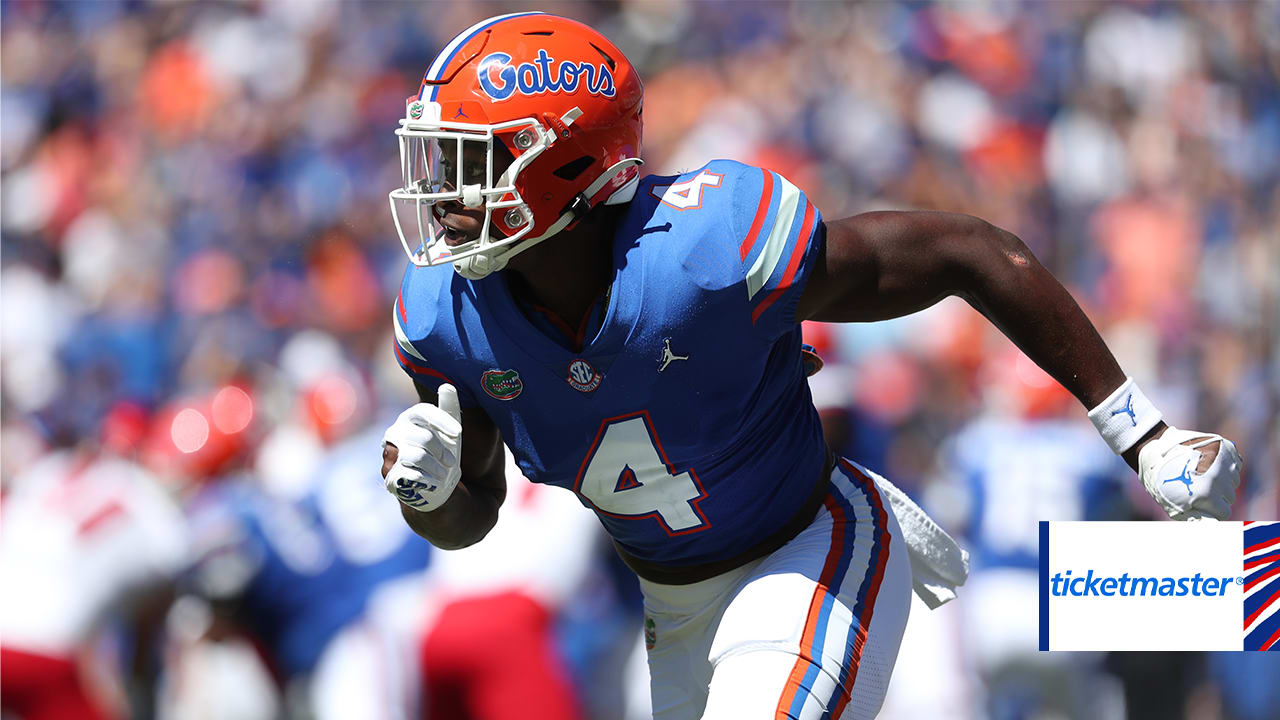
<point x="82" y="535"/>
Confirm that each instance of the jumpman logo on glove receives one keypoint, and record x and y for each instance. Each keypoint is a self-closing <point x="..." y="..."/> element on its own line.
<point x="1184" y="478"/>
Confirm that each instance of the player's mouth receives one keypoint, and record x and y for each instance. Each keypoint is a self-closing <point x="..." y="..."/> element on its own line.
<point x="454" y="237"/>
<point x="459" y="227"/>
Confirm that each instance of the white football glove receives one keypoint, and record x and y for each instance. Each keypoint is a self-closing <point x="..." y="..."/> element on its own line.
<point x="428" y="440"/>
<point x="1168" y="470"/>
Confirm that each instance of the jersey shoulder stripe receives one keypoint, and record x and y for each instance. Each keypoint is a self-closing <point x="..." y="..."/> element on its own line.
<point x="413" y="321"/>
<point x="780" y="232"/>
<point x="757" y="222"/>
<point x="412" y="361"/>
<point x="741" y="228"/>
<point x="402" y="338"/>
<point x="780" y="245"/>
<point x="793" y="263"/>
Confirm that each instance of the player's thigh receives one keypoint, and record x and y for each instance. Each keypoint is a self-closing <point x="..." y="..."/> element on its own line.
<point x="816" y="629"/>
<point x="681" y="622"/>
<point x="678" y="645"/>
<point x="678" y="679"/>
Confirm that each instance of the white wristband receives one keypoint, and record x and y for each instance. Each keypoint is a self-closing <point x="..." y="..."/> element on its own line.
<point x="1124" y="417"/>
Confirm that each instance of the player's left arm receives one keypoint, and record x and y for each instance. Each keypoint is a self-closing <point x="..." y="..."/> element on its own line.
<point x="881" y="265"/>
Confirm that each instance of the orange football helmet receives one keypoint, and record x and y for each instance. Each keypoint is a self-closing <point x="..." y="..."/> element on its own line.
<point x="551" y="95"/>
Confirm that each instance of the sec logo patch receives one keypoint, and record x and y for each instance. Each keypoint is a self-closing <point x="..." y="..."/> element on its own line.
<point x="583" y="377"/>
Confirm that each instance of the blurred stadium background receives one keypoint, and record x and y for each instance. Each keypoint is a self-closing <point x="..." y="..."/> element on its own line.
<point x="198" y="267"/>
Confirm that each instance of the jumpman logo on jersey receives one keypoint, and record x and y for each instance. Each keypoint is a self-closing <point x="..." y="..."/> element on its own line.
<point x="1128" y="409"/>
<point x="669" y="357"/>
<point x="1184" y="478"/>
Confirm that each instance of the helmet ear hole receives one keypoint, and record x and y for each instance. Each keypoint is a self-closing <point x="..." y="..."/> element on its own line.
<point x="572" y="169"/>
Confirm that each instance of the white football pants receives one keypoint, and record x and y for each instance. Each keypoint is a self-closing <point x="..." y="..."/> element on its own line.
<point x="810" y="631"/>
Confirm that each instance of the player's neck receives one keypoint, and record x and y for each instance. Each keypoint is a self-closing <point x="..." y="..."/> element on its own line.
<point x="566" y="273"/>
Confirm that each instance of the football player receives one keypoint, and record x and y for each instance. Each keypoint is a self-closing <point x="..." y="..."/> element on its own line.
<point x="90" y="541"/>
<point x="1021" y="462"/>
<point x="302" y="561"/>
<point x="637" y="341"/>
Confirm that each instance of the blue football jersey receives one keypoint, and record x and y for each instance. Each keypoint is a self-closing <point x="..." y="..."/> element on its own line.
<point x="685" y="421"/>
<point x="302" y="568"/>
<point x="1017" y="473"/>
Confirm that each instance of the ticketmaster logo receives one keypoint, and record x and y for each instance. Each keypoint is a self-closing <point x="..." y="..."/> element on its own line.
<point x="1062" y="584"/>
<point x="1159" y="586"/>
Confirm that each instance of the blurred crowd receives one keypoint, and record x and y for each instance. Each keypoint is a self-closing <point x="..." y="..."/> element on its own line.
<point x="199" y="263"/>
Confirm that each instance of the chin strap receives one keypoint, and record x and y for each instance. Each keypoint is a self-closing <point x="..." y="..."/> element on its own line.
<point x="480" y="265"/>
<point x="581" y="203"/>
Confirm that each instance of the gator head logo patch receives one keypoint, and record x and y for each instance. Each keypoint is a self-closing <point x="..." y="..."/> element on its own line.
<point x="415" y="110"/>
<point x="650" y="633"/>
<point x="502" y="384"/>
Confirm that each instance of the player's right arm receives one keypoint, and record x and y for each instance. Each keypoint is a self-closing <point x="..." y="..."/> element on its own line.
<point x="470" y="508"/>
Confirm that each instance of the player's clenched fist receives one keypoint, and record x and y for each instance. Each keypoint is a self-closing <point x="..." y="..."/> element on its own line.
<point x="422" y="452"/>
<point x="1193" y="475"/>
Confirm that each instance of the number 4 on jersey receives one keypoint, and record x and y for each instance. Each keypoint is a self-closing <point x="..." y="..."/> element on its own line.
<point x="626" y="474"/>
<point x="687" y="195"/>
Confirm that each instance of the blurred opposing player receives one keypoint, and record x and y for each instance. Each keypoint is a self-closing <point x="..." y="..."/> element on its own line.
<point x="301" y="565"/>
<point x="636" y="340"/>
<point x="1023" y="462"/>
<point x="86" y="537"/>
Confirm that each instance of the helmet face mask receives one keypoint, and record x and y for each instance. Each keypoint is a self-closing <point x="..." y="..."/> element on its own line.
<point x="527" y="121"/>
<point x="463" y="163"/>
